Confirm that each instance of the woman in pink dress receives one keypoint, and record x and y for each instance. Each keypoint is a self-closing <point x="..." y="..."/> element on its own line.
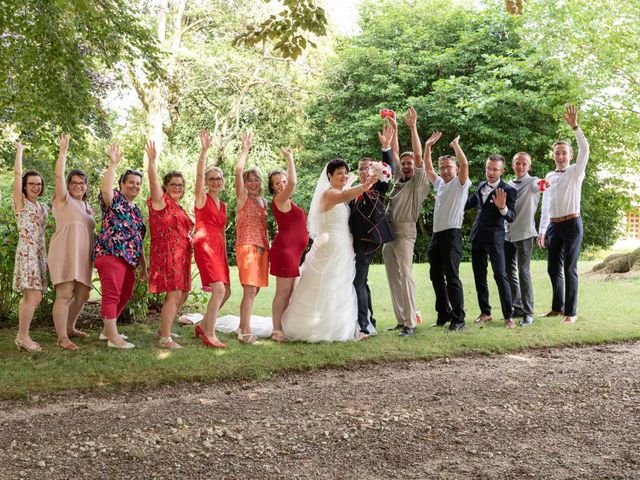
<point x="210" y="249"/>
<point x="290" y="241"/>
<point x="170" y="248"/>
<point x="70" y="265"/>
<point x="30" y="270"/>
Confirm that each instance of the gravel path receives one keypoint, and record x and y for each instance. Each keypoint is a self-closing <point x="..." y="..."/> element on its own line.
<point x="569" y="413"/>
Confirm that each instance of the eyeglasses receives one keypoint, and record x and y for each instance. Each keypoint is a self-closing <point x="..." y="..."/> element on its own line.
<point x="215" y="179"/>
<point x="252" y="180"/>
<point x="34" y="184"/>
<point x="176" y="185"/>
<point x="77" y="184"/>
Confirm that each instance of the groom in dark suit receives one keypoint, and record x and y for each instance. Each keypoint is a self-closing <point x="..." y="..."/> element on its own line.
<point x="370" y="229"/>
<point x="495" y="201"/>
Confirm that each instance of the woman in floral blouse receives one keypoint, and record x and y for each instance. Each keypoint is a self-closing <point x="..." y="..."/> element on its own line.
<point x="119" y="247"/>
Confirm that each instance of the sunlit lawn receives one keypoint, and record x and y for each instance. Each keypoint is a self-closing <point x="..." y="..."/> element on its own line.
<point x="608" y="311"/>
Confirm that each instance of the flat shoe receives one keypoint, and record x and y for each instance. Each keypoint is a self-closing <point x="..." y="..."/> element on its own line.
<point x="483" y="319"/>
<point x="104" y="337"/>
<point x="248" y="338"/>
<point x="125" y="346"/>
<point x="77" y="334"/>
<point x="167" y="342"/>
<point x="67" y="344"/>
<point x="509" y="323"/>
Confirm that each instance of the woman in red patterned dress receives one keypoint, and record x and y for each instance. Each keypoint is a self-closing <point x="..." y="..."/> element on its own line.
<point x="289" y="242"/>
<point x="170" y="260"/>
<point x="210" y="248"/>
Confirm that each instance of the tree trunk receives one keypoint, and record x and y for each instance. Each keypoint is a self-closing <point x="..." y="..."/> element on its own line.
<point x="620" y="263"/>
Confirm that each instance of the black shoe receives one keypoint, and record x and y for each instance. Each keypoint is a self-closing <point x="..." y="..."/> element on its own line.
<point x="456" y="327"/>
<point x="526" y="321"/>
<point x="439" y="323"/>
<point x="407" y="332"/>
<point x="518" y="314"/>
<point x="397" y="327"/>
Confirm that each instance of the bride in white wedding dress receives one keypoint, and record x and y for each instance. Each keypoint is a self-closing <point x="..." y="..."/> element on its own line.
<point x="323" y="306"/>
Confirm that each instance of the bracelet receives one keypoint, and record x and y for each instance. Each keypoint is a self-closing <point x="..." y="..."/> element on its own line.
<point x="576" y="127"/>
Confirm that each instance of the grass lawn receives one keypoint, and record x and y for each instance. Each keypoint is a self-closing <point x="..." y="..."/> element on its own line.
<point x="608" y="311"/>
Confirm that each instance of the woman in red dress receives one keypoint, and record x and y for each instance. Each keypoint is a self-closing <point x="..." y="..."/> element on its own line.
<point x="289" y="242"/>
<point x="210" y="248"/>
<point x="170" y="227"/>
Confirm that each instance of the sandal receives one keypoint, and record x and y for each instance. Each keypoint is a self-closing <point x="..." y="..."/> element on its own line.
<point x="28" y="345"/>
<point x="167" y="342"/>
<point x="67" y="344"/>
<point x="248" y="338"/>
<point x="278" y="336"/>
<point x="77" y="334"/>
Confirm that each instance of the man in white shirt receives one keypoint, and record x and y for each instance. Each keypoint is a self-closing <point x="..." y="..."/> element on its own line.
<point x="560" y="224"/>
<point x="519" y="237"/>
<point x="445" y="248"/>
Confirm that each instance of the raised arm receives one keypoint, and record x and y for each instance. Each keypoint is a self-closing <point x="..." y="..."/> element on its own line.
<point x="61" y="185"/>
<point x="283" y="198"/>
<point x="571" y="117"/>
<point x="428" y="162"/>
<point x="115" y="157"/>
<point x="157" y="195"/>
<point x="395" y="145"/>
<point x="386" y="136"/>
<point x="18" y="198"/>
<point x="411" y="121"/>
<point x="463" y="163"/>
<point x="201" y="191"/>
<point x="241" y="192"/>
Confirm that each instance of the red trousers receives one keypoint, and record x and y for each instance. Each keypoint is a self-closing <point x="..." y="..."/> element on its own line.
<point x="117" y="279"/>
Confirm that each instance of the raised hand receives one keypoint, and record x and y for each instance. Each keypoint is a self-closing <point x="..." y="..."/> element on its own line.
<point x="247" y="140"/>
<point x="115" y="154"/>
<point x="500" y="200"/>
<point x="455" y="142"/>
<point x="63" y="141"/>
<point x="19" y="148"/>
<point x="571" y="116"/>
<point x="393" y="121"/>
<point x="411" y="120"/>
<point x="205" y="139"/>
<point x="370" y="182"/>
<point x="386" y="136"/>
<point x="287" y="153"/>
<point x="435" y="136"/>
<point x="150" y="149"/>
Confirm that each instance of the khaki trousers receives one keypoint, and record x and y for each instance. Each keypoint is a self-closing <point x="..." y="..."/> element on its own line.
<point x="398" y="262"/>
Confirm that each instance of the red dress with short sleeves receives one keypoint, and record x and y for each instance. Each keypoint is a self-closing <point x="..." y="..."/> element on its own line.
<point x="170" y="249"/>
<point x="210" y="248"/>
<point x="289" y="242"/>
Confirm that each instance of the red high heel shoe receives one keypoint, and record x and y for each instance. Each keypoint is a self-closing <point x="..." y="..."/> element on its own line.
<point x="199" y="332"/>
<point x="208" y="343"/>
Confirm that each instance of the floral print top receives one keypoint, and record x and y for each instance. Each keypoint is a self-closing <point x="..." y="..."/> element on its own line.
<point x="122" y="231"/>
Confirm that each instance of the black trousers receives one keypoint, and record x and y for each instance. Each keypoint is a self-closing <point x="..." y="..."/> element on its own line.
<point x="364" y="254"/>
<point x="445" y="253"/>
<point x="564" y="240"/>
<point x="479" y="254"/>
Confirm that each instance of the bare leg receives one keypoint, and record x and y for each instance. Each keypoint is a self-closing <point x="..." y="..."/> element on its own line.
<point x="246" y="306"/>
<point x="172" y="303"/>
<point x="64" y="298"/>
<point x="110" y="330"/>
<point x="81" y="294"/>
<point x="220" y="293"/>
<point x="30" y="300"/>
<point x="284" y="288"/>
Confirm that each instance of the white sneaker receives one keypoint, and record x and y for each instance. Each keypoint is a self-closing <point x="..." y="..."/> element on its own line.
<point x="102" y="336"/>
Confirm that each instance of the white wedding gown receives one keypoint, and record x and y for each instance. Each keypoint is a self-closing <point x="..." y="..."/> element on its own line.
<point x="323" y="306"/>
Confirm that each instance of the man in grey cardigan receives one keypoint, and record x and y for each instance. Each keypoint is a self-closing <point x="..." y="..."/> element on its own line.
<point x="520" y="236"/>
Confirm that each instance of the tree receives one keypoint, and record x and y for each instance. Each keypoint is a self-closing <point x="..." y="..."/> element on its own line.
<point x="56" y="54"/>
<point x="467" y="72"/>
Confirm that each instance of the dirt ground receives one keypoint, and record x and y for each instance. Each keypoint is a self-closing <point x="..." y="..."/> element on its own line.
<point x="570" y="413"/>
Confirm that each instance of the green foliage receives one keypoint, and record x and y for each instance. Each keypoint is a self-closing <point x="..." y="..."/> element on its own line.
<point x="53" y="67"/>
<point x="467" y="72"/>
<point x="287" y="28"/>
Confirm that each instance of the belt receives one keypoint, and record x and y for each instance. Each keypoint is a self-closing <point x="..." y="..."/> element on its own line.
<point x="565" y="218"/>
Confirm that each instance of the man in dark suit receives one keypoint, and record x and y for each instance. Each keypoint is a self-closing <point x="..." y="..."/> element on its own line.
<point x="370" y="229"/>
<point x="495" y="201"/>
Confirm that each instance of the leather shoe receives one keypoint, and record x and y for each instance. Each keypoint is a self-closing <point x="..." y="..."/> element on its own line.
<point x="509" y="323"/>
<point x="552" y="313"/>
<point x="456" y="327"/>
<point x="569" y="319"/>
<point x="526" y="321"/>
<point x="482" y="318"/>
<point x="407" y="332"/>
<point x="397" y="327"/>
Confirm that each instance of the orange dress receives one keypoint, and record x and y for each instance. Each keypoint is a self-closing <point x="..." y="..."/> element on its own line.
<point x="209" y="246"/>
<point x="170" y="249"/>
